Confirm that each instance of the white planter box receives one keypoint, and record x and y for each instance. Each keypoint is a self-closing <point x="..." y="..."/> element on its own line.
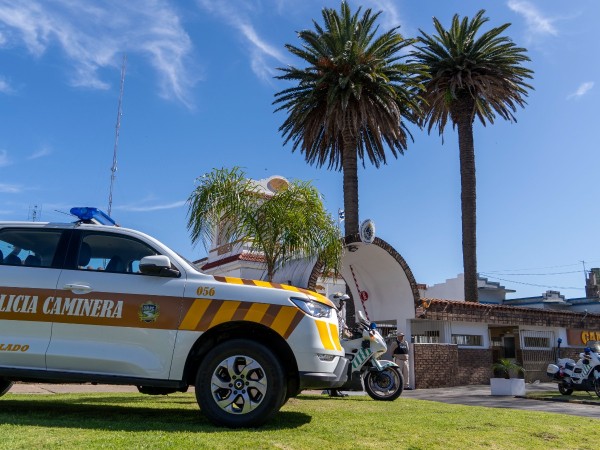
<point x="503" y="386"/>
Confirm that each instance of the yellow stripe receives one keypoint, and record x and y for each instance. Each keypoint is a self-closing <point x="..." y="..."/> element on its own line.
<point x="257" y="312"/>
<point x="283" y="320"/>
<point x="290" y="288"/>
<point x="263" y="283"/>
<point x="225" y="313"/>
<point x="324" y="334"/>
<point x="196" y="311"/>
<point x="233" y="280"/>
<point x="335" y="336"/>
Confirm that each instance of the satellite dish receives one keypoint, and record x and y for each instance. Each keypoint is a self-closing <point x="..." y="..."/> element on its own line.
<point x="367" y="231"/>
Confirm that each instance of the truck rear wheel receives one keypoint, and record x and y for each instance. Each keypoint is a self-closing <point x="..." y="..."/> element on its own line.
<point x="240" y="383"/>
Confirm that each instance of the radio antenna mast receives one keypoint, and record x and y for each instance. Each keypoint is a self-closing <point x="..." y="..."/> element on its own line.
<point x="113" y="169"/>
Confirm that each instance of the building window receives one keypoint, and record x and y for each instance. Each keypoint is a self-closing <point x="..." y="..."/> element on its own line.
<point x="471" y="340"/>
<point x="429" y="332"/>
<point x="427" y="337"/>
<point x="535" y="340"/>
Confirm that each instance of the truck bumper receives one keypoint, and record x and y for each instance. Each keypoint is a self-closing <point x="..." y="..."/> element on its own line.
<point x="320" y="380"/>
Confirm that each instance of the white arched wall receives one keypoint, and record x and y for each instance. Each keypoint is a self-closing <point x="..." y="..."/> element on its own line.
<point x="380" y="271"/>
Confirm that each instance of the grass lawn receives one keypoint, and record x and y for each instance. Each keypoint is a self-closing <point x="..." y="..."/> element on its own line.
<point x="307" y="422"/>
<point x="576" y="396"/>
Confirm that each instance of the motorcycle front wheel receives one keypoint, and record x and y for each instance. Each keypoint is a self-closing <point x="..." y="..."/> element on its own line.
<point x="596" y="383"/>
<point x="386" y="385"/>
<point x="564" y="388"/>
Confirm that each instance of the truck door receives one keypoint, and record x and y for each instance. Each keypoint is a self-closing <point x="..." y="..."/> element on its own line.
<point x="30" y="264"/>
<point x="109" y="318"/>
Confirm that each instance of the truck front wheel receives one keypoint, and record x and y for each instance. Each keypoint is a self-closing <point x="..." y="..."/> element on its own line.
<point x="240" y="383"/>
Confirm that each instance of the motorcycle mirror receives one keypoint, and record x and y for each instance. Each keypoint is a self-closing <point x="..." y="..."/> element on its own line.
<point x="340" y="296"/>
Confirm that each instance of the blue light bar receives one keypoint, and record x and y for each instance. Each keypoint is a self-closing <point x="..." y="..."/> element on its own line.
<point x="88" y="214"/>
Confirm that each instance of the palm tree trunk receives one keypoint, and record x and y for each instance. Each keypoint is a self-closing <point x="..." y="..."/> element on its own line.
<point x="468" y="204"/>
<point x="350" y="170"/>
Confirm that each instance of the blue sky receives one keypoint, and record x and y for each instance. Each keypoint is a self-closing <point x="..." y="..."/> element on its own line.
<point x="198" y="91"/>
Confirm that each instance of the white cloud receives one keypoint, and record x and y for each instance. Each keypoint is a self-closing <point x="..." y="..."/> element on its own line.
<point x="237" y="16"/>
<point x="537" y="23"/>
<point x="44" y="151"/>
<point x="390" y="16"/>
<point x="5" y="88"/>
<point x="149" y="208"/>
<point x="583" y="89"/>
<point x="94" y="35"/>
<point x="4" y="161"/>
<point x="6" y="188"/>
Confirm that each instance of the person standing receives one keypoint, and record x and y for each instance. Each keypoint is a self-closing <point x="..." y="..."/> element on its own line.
<point x="400" y="355"/>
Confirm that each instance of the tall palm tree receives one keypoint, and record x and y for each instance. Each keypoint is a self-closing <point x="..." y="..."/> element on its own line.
<point x="350" y="99"/>
<point x="291" y="224"/>
<point x="470" y="77"/>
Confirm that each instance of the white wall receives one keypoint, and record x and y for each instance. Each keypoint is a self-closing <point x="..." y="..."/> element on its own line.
<point x="451" y="289"/>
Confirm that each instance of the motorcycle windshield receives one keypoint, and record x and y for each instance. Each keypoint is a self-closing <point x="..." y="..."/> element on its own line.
<point x="594" y="346"/>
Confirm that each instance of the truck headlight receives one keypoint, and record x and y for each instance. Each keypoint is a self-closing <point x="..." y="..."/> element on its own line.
<point x="312" y="308"/>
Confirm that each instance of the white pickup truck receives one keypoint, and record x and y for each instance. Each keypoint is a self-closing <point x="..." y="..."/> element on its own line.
<point x="90" y="301"/>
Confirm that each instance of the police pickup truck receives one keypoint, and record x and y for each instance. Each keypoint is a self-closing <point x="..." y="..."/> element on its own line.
<point x="93" y="302"/>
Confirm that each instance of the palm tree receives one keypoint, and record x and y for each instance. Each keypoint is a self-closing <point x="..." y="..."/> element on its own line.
<point x="350" y="100"/>
<point x="291" y="224"/>
<point x="470" y="77"/>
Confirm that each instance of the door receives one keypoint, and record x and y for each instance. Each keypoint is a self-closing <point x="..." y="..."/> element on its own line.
<point x="108" y="317"/>
<point x="509" y="347"/>
<point x="29" y="269"/>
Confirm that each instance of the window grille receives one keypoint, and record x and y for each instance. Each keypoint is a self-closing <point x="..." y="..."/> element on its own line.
<point x="472" y="340"/>
<point x="428" y="332"/>
<point x="533" y="340"/>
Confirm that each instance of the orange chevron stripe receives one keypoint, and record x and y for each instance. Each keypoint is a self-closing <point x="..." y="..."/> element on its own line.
<point x="232" y="280"/>
<point x="335" y="336"/>
<point x="196" y="311"/>
<point x="284" y="319"/>
<point x="256" y="312"/>
<point x="225" y="313"/>
<point x="204" y="314"/>
<point x="324" y="334"/>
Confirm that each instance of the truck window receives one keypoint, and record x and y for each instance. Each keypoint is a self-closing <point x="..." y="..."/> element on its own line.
<point x="28" y="247"/>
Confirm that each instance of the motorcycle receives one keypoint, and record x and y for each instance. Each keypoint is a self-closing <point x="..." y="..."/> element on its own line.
<point x="381" y="379"/>
<point x="583" y="375"/>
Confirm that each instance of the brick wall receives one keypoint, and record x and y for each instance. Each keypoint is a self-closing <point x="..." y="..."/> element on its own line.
<point x="436" y="365"/>
<point x="445" y="365"/>
<point x="474" y="366"/>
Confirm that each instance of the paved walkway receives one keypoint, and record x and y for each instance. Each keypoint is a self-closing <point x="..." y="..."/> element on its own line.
<point x="478" y="395"/>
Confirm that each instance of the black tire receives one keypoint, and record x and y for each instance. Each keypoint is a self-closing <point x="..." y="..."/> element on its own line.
<point x="5" y="386"/>
<point x="240" y="383"/>
<point x="596" y="381"/>
<point x="386" y="385"/>
<point x="564" y="388"/>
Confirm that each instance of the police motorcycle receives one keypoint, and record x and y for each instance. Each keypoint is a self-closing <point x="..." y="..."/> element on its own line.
<point x="381" y="379"/>
<point x="583" y="375"/>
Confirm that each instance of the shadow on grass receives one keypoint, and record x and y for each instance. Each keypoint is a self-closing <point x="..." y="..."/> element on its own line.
<point x="122" y="415"/>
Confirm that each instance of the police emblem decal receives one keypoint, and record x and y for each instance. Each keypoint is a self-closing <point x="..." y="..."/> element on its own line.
<point x="148" y="312"/>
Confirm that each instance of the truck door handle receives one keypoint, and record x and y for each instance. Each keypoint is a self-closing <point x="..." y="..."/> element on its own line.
<point x="79" y="288"/>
